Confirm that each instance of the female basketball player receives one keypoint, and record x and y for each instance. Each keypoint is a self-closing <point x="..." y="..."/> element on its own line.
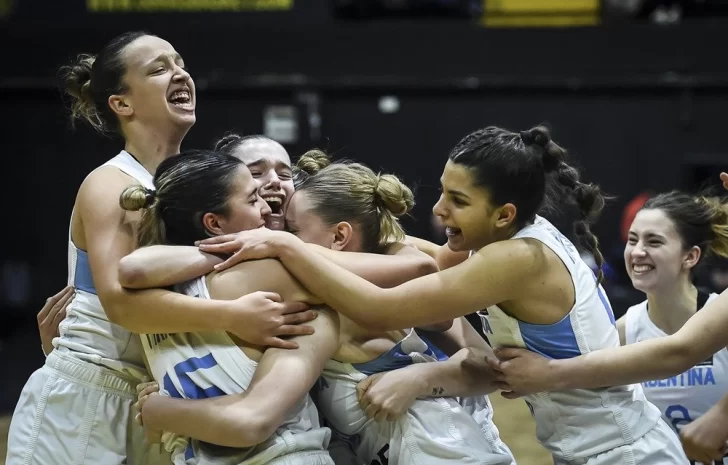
<point x="522" y="372"/>
<point x="77" y="408"/>
<point x="539" y="293"/>
<point x="667" y="239"/>
<point x="270" y="165"/>
<point x="347" y="207"/>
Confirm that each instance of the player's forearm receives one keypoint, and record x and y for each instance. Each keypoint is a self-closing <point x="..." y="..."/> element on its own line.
<point x="162" y="266"/>
<point x="380" y="269"/>
<point x="162" y="311"/>
<point x="464" y="374"/>
<point x="218" y="420"/>
<point x="425" y="246"/>
<point x="644" y="361"/>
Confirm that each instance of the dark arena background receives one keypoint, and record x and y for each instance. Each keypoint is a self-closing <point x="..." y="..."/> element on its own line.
<point x="636" y="90"/>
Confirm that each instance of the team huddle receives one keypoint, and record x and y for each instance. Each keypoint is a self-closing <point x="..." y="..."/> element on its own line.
<point x="231" y="307"/>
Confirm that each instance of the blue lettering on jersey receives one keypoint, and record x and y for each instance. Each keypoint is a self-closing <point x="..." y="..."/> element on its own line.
<point x="322" y="384"/>
<point x="154" y="340"/>
<point x="382" y="456"/>
<point x="487" y="329"/>
<point x="678" y="415"/>
<point x="190" y="390"/>
<point x="696" y="376"/>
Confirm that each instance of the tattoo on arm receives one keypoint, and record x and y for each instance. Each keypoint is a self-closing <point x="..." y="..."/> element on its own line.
<point x="437" y="391"/>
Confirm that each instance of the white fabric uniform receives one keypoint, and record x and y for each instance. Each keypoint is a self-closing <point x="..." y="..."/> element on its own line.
<point x="434" y="431"/>
<point x="78" y="408"/>
<point x="595" y="426"/>
<point x="688" y="396"/>
<point x="210" y="364"/>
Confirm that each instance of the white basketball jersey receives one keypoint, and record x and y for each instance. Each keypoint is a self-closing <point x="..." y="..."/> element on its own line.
<point x="86" y="331"/>
<point x="578" y="423"/>
<point x="210" y="364"/>
<point x="688" y="396"/>
<point x="434" y="431"/>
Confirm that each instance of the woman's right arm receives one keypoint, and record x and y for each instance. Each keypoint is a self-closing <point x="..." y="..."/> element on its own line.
<point x="281" y="380"/>
<point x="522" y="372"/>
<point x="442" y="254"/>
<point x="161" y="266"/>
<point x="164" y="265"/>
<point x="109" y="236"/>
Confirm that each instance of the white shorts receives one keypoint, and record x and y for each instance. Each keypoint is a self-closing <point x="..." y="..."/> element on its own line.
<point x="436" y="431"/>
<point x="659" y="446"/>
<point x="73" y="412"/>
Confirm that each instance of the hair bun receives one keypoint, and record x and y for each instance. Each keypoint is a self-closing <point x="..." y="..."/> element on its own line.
<point x="396" y="197"/>
<point x="77" y="82"/>
<point x="137" y="197"/>
<point x="313" y="161"/>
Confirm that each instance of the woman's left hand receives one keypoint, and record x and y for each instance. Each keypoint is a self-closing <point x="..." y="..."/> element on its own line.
<point x="144" y="392"/>
<point x="253" y="244"/>
<point x="387" y="396"/>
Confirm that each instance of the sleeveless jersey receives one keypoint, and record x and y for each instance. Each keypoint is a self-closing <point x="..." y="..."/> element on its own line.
<point x="86" y="332"/>
<point x="579" y="423"/>
<point x="210" y="364"/>
<point x="434" y="431"/>
<point x="688" y="396"/>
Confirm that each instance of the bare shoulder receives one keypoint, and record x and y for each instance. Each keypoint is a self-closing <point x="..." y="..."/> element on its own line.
<point x="105" y="183"/>
<point x="258" y="275"/>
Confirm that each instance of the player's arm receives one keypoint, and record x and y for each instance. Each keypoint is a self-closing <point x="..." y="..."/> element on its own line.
<point x="442" y="254"/>
<point x="388" y="395"/>
<point x="281" y="380"/>
<point x="164" y="265"/>
<point x="160" y="266"/>
<point x="460" y="336"/>
<point x="109" y="236"/>
<point x="400" y="264"/>
<point x="470" y="286"/>
<point x="703" y="335"/>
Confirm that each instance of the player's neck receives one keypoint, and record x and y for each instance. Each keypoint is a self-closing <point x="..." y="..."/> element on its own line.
<point x="670" y="308"/>
<point x="151" y="148"/>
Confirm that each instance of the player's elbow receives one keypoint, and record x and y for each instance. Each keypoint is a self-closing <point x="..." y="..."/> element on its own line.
<point x="680" y="356"/>
<point x="250" y="429"/>
<point x="426" y="265"/>
<point x="131" y="273"/>
<point x="439" y="327"/>
<point x="114" y="302"/>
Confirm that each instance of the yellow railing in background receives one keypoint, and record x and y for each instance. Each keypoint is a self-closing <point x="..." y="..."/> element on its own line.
<point x="540" y="13"/>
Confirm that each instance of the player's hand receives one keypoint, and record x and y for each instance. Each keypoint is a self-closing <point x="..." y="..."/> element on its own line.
<point x="253" y="244"/>
<point x="51" y="315"/>
<point x="262" y="318"/>
<point x="704" y="440"/>
<point x="144" y="392"/>
<point x="724" y="179"/>
<point x="519" y="372"/>
<point x="387" y="396"/>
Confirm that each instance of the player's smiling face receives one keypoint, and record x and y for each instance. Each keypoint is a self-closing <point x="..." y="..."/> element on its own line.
<point x="655" y="256"/>
<point x="471" y="220"/>
<point x="270" y="165"/>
